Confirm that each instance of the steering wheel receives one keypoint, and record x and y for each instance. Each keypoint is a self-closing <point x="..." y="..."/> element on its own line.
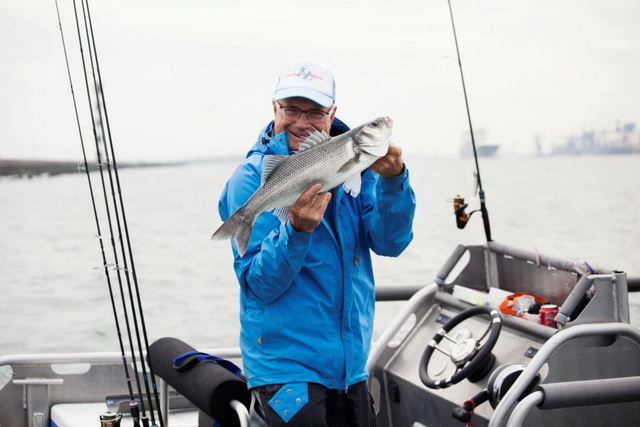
<point x="469" y="355"/>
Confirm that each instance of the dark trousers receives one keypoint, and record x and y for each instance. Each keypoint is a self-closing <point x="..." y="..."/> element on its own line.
<point x="326" y="407"/>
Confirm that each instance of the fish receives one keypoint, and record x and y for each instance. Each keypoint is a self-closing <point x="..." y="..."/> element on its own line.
<point x="330" y="161"/>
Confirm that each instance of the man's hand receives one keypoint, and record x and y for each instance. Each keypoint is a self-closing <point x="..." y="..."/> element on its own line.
<point x="308" y="210"/>
<point x="391" y="164"/>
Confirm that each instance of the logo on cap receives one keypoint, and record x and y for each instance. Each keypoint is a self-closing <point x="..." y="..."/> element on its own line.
<point x="306" y="74"/>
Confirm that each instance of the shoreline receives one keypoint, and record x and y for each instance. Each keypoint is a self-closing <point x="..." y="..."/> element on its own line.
<point x="32" y="168"/>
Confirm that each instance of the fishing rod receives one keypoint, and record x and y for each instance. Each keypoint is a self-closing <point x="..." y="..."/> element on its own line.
<point x="133" y="403"/>
<point x="95" y="211"/>
<point x="100" y="136"/>
<point x="458" y="203"/>
<point x="98" y="133"/>
<point x="112" y="162"/>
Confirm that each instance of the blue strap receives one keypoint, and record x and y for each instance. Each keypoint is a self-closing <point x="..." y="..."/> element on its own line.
<point x="591" y="269"/>
<point x="180" y="365"/>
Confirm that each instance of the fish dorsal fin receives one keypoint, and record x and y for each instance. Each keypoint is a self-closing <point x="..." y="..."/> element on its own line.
<point x="318" y="137"/>
<point x="282" y="213"/>
<point x="269" y="163"/>
<point x="352" y="185"/>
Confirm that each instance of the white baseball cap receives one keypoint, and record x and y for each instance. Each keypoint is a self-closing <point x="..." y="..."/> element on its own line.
<point x="307" y="79"/>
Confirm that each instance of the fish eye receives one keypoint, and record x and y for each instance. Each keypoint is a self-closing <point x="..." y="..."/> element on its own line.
<point x="374" y="124"/>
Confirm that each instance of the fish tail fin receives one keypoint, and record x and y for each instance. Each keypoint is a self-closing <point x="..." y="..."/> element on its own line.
<point x="238" y="227"/>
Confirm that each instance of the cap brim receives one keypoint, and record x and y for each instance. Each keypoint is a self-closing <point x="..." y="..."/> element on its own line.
<point x="298" y="92"/>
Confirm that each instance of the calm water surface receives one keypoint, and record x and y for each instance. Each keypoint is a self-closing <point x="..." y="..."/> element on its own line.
<point x="54" y="295"/>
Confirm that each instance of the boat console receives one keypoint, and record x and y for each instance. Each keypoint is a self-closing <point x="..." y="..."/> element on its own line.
<point x="475" y="335"/>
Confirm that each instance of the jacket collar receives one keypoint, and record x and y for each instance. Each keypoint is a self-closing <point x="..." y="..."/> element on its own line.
<point x="268" y="143"/>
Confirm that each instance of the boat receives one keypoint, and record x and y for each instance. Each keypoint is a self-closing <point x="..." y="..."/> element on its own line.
<point x="482" y="148"/>
<point x="456" y="343"/>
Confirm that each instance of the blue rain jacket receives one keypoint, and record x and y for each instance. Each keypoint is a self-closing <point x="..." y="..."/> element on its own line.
<point x="307" y="299"/>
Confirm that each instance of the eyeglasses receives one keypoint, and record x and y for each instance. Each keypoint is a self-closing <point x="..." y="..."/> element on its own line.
<point x="293" y="114"/>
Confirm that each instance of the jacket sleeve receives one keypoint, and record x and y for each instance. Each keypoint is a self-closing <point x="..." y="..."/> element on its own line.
<point x="388" y="209"/>
<point x="275" y="252"/>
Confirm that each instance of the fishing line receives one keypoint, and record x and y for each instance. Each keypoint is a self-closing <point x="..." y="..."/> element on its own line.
<point x="95" y="210"/>
<point x="483" y="207"/>
<point x="108" y="142"/>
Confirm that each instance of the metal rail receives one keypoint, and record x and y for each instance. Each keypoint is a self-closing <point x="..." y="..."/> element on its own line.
<point x="501" y="412"/>
<point x="405" y="292"/>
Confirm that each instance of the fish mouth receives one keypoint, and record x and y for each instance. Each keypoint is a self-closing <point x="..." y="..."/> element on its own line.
<point x="387" y="121"/>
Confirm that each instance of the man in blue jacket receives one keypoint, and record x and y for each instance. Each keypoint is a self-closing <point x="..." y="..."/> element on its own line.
<point x="307" y="290"/>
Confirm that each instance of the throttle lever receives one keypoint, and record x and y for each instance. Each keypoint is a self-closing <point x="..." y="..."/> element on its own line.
<point x="465" y="412"/>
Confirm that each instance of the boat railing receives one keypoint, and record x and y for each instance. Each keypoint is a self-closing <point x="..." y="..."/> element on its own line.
<point x="590" y="392"/>
<point x="405" y="292"/>
<point x="40" y="381"/>
<point x="577" y="393"/>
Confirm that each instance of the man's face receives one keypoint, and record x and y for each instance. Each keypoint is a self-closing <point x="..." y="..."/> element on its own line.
<point x="313" y="117"/>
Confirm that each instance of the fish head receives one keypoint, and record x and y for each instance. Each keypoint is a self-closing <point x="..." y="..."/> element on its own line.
<point x="374" y="136"/>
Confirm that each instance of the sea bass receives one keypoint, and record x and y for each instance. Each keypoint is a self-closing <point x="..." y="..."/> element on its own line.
<point x="320" y="159"/>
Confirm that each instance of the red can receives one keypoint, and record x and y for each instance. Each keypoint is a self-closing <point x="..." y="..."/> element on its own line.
<point x="547" y="315"/>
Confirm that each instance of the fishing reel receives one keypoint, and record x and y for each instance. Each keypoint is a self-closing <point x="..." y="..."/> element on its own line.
<point x="459" y="209"/>
<point x="109" y="419"/>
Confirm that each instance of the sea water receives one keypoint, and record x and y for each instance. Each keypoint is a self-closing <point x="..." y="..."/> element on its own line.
<point x="54" y="295"/>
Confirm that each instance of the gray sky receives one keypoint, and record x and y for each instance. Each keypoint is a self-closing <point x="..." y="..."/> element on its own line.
<point x="194" y="78"/>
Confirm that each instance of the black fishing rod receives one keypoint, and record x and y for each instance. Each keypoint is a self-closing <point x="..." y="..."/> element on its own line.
<point x="112" y="166"/>
<point x="133" y="402"/>
<point x="459" y="205"/>
<point x="100" y="136"/>
<point x="95" y="211"/>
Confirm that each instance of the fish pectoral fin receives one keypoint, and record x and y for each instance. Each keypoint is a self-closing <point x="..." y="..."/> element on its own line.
<point x="269" y="164"/>
<point x="349" y="164"/>
<point x="352" y="185"/>
<point x="282" y="213"/>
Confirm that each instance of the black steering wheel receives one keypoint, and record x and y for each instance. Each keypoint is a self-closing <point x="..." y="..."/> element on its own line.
<point x="469" y="355"/>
